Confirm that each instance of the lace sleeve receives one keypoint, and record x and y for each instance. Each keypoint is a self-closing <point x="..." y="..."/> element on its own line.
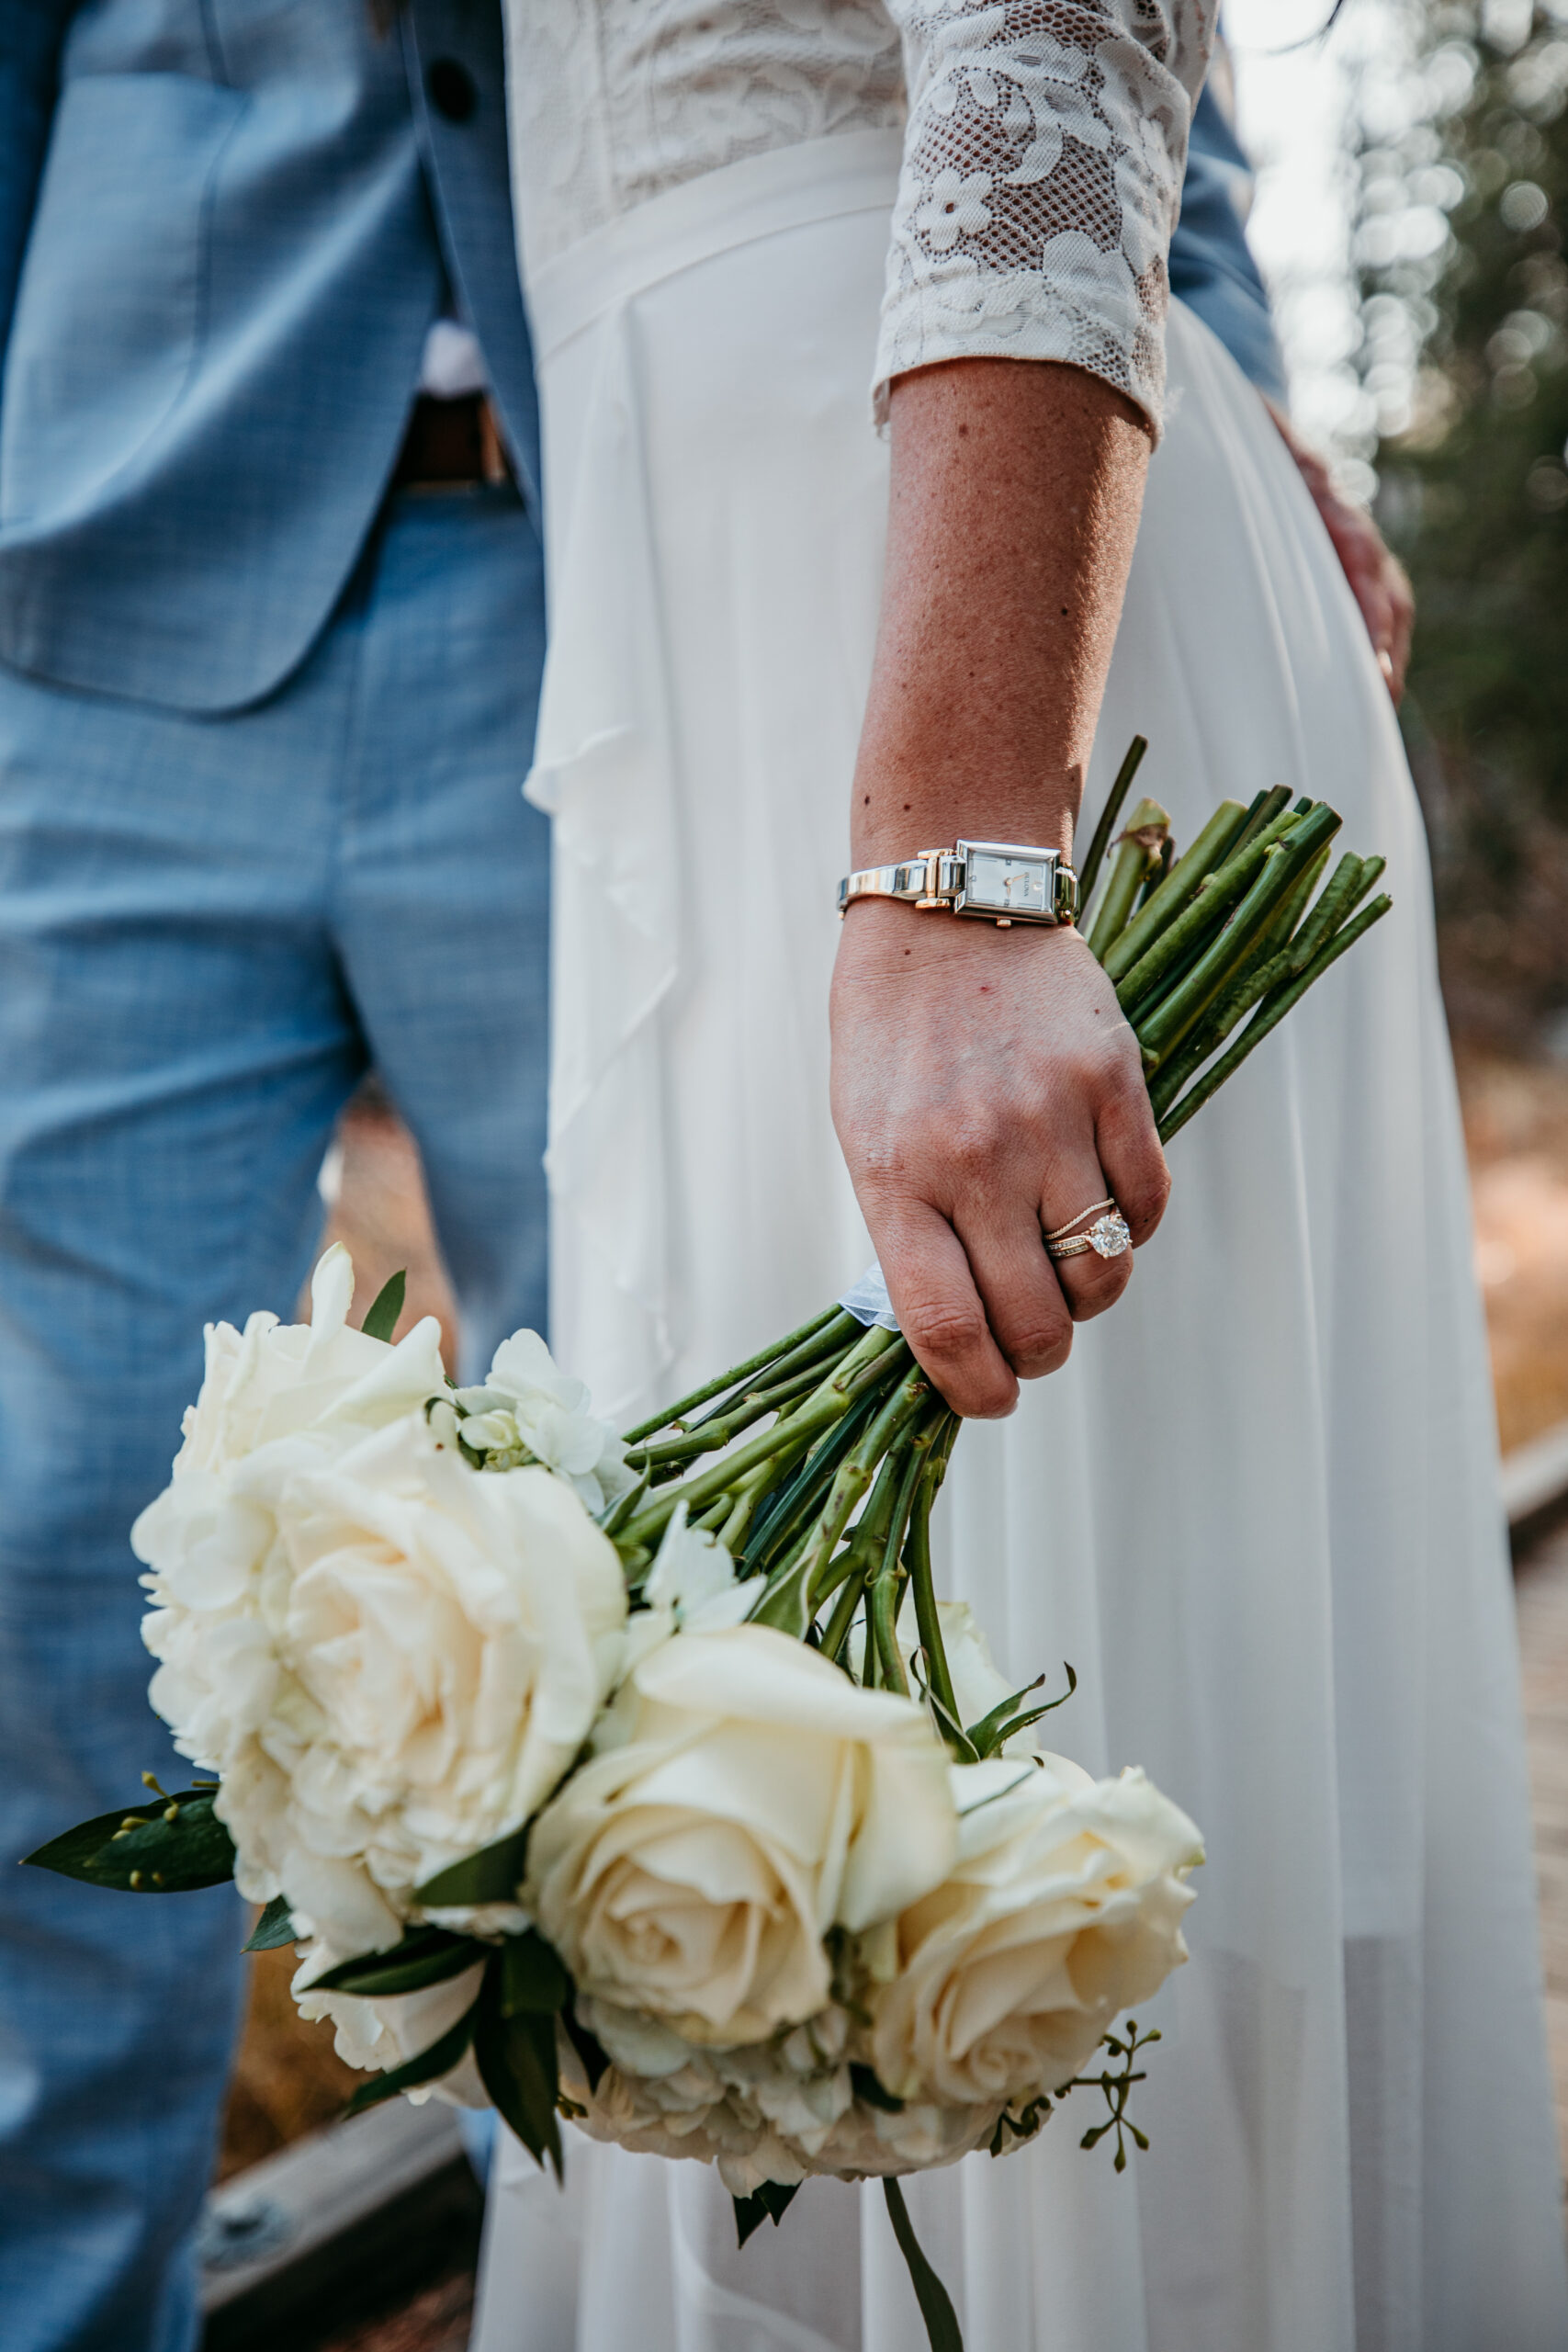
<point x="1042" y="180"/>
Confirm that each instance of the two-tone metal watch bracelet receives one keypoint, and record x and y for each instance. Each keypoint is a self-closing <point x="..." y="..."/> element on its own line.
<point x="999" y="882"/>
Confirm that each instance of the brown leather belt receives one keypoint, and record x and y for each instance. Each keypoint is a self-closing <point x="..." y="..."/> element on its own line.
<point x="451" y="445"/>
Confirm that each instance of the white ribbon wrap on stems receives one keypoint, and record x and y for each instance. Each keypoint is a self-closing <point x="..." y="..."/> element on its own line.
<point x="868" y="1300"/>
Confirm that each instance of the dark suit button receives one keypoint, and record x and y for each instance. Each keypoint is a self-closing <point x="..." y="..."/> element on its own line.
<point x="451" y="88"/>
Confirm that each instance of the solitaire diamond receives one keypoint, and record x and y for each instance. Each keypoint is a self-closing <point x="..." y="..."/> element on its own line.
<point x="1109" y="1235"/>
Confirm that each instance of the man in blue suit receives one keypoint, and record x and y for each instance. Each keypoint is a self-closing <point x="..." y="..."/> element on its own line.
<point x="271" y="624"/>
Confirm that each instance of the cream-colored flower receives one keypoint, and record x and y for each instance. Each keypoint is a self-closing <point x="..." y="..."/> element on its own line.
<point x="748" y="1797"/>
<point x="389" y="1657"/>
<point x="377" y="2035"/>
<point x="527" y="1406"/>
<point x="275" y="1399"/>
<point x="1063" y="1908"/>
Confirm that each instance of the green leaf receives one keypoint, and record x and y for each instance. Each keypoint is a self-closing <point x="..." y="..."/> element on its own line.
<point x="425" y="1956"/>
<point x="517" y="2058"/>
<point x="769" y="2203"/>
<point x="493" y="1875"/>
<point x="993" y="1730"/>
<point x="866" y="2088"/>
<point x="532" y="1982"/>
<point x="428" y="2067"/>
<point x="275" y="1928"/>
<point x="386" y="1307"/>
<point x="142" y="1851"/>
<point x="595" y="2058"/>
<point x="942" y="2321"/>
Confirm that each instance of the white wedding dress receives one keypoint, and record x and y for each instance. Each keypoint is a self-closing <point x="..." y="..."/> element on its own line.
<point x="1257" y="1511"/>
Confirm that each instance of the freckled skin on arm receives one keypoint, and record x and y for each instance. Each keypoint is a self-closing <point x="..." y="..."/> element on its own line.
<point x="983" y="1081"/>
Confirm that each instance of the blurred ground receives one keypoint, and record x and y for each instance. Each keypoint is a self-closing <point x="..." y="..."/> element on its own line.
<point x="287" y="2081"/>
<point x="1516" y="1120"/>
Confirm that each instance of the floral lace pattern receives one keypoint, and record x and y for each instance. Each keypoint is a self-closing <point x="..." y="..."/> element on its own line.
<point x="1044" y="148"/>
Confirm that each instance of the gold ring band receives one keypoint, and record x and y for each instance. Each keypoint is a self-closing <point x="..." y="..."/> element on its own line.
<point x="1108" y="1237"/>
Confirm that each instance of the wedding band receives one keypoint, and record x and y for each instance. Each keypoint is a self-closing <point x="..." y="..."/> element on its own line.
<point x="1108" y="1237"/>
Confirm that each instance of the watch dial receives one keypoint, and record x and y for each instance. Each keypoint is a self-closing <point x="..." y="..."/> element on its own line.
<point x="1012" y="885"/>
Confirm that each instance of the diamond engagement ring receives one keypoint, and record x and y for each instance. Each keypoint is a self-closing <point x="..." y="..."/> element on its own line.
<point x="1108" y="1237"/>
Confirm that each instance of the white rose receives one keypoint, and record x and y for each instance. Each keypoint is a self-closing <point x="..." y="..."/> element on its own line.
<point x="528" y="1405"/>
<point x="377" y="2035"/>
<point x="445" y="1638"/>
<point x="1063" y="1908"/>
<point x="754" y="1796"/>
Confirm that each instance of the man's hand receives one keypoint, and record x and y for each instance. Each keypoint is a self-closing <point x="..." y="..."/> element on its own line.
<point x="1379" y="582"/>
<point x="986" y="1089"/>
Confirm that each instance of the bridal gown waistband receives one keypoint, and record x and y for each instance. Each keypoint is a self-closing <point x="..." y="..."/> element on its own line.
<point x="762" y="196"/>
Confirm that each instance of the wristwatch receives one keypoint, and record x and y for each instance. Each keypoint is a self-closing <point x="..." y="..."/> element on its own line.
<point x="1001" y="882"/>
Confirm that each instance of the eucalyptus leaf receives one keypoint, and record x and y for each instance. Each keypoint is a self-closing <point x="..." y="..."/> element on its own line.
<point x="769" y="2203"/>
<point x="275" y="1928"/>
<point x="936" y="2308"/>
<point x="425" y="1956"/>
<point x="493" y="1875"/>
<point x="385" y="1308"/>
<point x="170" y="1847"/>
<point x="517" y="2058"/>
<point x="428" y="2067"/>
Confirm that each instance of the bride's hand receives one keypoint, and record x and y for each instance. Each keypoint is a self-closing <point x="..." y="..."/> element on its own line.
<point x="986" y="1089"/>
<point x="985" y="1085"/>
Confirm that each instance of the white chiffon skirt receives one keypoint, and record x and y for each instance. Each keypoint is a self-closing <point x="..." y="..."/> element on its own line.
<point x="1258" y="1509"/>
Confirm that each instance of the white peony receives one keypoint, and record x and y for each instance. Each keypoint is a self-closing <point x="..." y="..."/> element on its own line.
<point x="276" y="1398"/>
<point x="1063" y="1908"/>
<point x="528" y="1409"/>
<point x="747" y="1796"/>
<point x="388" y="1656"/>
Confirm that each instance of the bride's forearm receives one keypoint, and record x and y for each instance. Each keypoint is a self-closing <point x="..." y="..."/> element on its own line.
<point x="984" y="1083"/>
<point x="1016" y="488"/>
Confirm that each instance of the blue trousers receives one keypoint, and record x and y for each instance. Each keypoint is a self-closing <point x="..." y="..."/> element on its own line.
<point x="208" y="930"/>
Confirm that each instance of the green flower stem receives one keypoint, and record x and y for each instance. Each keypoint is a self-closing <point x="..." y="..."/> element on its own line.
<point x="836" y="1633"/>
<point x="1164" y="903"/>
<point x="1274" y="960"/>
<point x="1264" y="813"/>
<point x="1222" y="960"/>
<point x="923" y="1583"/>
<point x="738" y="1371"/>
<point x="883" y="1606"/>
<point x="1269" y="1015"/>
<point x="788" y="1599"/>
<point x="1089" y="873"/>
<point x="1352" y="878"/>
<point x="1128" y="868"/>
<point x="721" y="1430"/>
<point x="827" y="1404"/>
<point x="1203" y="915"/>
<point x="803" y="1494"/>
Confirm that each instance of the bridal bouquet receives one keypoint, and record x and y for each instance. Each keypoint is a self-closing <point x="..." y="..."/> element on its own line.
<point x="645" y="1781"/>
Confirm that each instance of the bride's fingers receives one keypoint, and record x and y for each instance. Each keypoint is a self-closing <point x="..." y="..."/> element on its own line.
<point x="1030" y="1317"/>
<point x="940" y="1311"/>
<point x="1090" y="1282"/>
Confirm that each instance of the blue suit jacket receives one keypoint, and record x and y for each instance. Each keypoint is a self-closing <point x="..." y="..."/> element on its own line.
<point x="1210" y="266"/>
<point x="225" y="227"/>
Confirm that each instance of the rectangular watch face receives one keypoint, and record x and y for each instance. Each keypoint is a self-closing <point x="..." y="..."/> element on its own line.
<point x="1002" y="882"/>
